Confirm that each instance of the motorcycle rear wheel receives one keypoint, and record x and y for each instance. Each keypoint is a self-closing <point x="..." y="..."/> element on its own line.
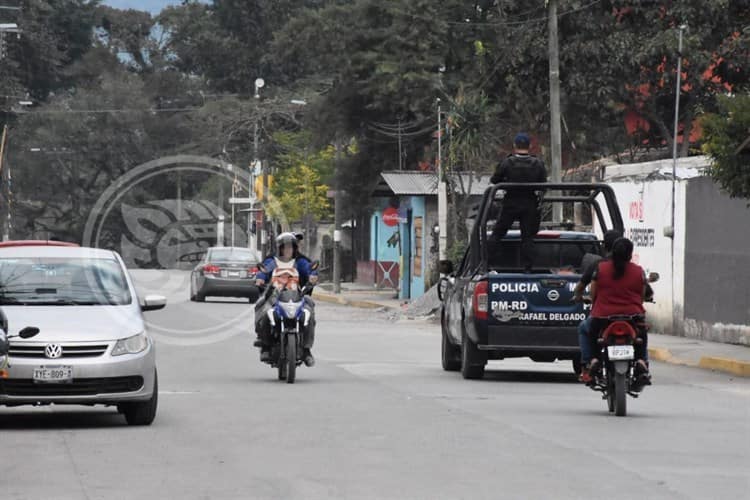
<point x="620" y="395"/>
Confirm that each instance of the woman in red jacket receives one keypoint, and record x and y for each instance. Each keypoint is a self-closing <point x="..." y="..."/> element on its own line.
<point x="618" y="288"/>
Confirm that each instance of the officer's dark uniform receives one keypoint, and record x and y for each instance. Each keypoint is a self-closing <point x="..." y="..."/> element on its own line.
<point x="521" y="206"/>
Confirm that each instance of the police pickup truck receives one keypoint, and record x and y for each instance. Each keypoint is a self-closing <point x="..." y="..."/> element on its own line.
<point x="492" y="310"/>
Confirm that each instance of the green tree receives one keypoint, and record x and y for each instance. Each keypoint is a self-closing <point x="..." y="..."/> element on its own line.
<point x="300" y="176"/>
<point x="55" y="33"/>
<point x="622" y="55"/>
<point x="724" y="133"/>
<point x="301" y="194"/>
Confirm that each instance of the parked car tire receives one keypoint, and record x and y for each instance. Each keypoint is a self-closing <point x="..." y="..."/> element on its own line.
<point x="254" y="296"/>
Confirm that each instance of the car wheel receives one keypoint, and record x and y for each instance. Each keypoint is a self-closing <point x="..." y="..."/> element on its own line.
<point x="142" y="412"/>
<point x="200" y="297"/>
<point x="253" y="298"/>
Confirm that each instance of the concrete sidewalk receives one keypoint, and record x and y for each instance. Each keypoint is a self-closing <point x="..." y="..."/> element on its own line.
<point x="360" y="296"/>
<point x="727" y="358"/>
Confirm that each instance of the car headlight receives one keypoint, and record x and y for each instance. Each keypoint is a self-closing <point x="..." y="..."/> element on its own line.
<point x="131" y="345"/>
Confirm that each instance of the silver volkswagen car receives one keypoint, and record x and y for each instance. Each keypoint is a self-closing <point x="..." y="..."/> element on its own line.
<point x="92" y="346"/>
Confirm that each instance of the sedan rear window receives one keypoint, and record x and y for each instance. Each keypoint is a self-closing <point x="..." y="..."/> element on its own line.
<point x="233" y="255"/>
<point x="58" y="281"/>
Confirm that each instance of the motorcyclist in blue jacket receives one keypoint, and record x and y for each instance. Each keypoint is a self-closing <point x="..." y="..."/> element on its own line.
<point x="287" y="256"/>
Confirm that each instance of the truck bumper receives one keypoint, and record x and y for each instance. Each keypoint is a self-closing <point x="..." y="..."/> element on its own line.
<point x="537" y="342"/>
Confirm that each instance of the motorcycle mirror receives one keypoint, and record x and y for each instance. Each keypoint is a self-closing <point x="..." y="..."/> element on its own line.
<point x="653" y="277"/>
<point x="28" y="332"/>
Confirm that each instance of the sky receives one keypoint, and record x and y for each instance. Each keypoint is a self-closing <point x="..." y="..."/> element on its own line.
<point x="153" y="6"/>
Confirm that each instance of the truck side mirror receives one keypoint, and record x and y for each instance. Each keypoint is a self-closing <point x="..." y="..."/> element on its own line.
<point x="445" y="267"/>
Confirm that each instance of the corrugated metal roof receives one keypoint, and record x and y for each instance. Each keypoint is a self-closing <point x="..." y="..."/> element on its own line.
<point x="411" y="183"/>
<point x="687" y="168"/>
<point x="425" y="183"/>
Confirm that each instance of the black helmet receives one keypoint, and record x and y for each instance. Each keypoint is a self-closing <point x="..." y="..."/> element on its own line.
<point x="286" y="239"/>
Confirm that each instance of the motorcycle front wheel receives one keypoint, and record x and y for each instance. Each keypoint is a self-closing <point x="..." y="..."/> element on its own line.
<point x="282" y="362"/>
<point x="291" y="357"/>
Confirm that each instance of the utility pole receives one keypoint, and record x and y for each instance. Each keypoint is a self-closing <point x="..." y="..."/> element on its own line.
<point x="400" y="155"/>
<point x="234" y="194"/>
<point x="337" y="207"/>
<point x="442" y="191"/>
<point x="670" y="233"/>
<point x="179" y="217"/>
<point x="259" y="83"/>
<point x="554" y="92"/>
<point x="6" y="225"/>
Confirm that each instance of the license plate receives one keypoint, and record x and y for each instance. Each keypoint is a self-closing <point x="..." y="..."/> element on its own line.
<point x="620" y="352"/>
<point x="53" y="374"/>
<point x="234" y="274"/>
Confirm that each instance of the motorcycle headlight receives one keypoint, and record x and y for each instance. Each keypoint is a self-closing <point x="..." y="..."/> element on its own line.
<point x="131" y="345"/>
<point x="290" y="309"/>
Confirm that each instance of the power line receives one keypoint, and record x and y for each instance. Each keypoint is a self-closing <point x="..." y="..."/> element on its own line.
<point x="520" y="22"/>
<point x="113" y="111"/>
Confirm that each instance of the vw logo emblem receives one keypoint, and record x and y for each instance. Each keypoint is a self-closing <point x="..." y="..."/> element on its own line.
<point x="53" y="351"/>
<point x="553" y="295"/>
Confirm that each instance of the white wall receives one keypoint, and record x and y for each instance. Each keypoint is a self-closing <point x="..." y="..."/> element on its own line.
<point x="646" y="210"/>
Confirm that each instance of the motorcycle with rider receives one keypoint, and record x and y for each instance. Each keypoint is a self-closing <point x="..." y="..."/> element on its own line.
<point x="285" y="313"/>
<point x="614" y="339"/>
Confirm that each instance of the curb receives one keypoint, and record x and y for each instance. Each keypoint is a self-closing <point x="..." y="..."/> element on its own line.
<point x="713" y="363"/>
<point x="733" y="366"/>
<point x="364" y="304"/>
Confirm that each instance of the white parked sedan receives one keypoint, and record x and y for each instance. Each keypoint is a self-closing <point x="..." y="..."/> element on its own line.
<point x="92" y="346"/>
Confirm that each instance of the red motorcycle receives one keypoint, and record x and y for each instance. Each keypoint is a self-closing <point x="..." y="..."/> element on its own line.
<point x="620" y="375"/>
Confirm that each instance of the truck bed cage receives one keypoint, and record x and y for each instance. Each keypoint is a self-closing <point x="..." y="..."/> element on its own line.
<point x="559" y="192"/>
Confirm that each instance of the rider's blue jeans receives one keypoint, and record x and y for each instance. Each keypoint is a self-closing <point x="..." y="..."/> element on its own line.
<point x="583" y="340"/>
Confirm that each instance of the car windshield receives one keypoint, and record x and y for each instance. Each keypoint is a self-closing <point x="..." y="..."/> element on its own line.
<point x="233" y="255"/>
<point x="57" y="281"/>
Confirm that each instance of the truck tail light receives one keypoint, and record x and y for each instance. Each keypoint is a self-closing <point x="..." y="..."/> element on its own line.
<point x="481" y="300"/>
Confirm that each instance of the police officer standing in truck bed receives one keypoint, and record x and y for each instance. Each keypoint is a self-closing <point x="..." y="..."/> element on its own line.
<point x="520" y="205"/>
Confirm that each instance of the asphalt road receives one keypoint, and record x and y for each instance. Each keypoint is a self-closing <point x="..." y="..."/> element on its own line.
<point x="376" y="418"/>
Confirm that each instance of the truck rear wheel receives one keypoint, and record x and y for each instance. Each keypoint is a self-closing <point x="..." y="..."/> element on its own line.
<point x="451" y="354"/>
<point x="472" y="359"/>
